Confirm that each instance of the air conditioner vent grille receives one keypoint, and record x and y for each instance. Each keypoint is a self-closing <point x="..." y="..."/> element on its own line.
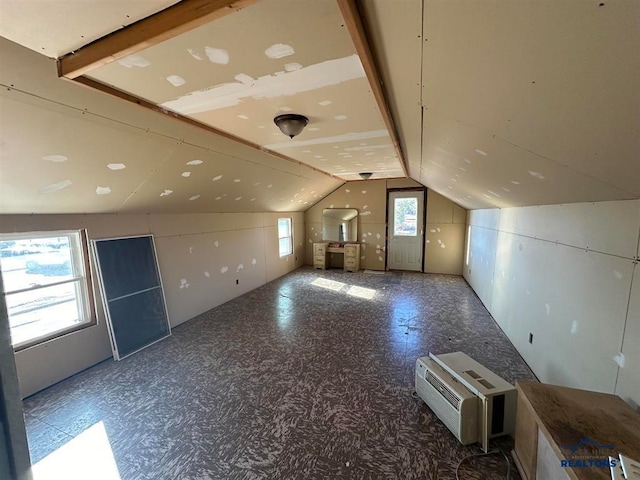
<point x="448" y="395"/>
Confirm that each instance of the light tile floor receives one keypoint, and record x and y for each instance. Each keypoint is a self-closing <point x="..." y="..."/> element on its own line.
<point x="309" y="376"/>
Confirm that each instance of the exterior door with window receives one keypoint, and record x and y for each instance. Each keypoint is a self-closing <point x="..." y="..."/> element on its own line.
<point x="406" y="230"/>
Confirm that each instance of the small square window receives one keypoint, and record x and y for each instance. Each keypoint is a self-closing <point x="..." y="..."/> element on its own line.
<point x="46" y="285"/>
<point x="285" y="237"/>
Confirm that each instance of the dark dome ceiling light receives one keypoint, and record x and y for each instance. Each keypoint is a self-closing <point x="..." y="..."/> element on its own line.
<point x="291" y="124"/>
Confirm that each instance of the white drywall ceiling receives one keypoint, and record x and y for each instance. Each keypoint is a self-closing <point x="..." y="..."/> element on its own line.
<point x="302" y="60"/>
<point x="54" y="27"/>
<point x="66" y="148"/>
<point x="523" y="103"/>
<point x="497" y="103"/>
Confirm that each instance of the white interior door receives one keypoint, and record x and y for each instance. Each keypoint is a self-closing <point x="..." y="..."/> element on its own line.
<point x="406" y="230"/>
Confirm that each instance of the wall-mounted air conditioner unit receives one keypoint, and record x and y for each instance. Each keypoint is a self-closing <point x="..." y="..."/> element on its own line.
<point x="456" y="406"/>
<point x="473" y="402"/>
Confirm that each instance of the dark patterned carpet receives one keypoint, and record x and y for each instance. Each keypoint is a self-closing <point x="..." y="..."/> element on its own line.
<point x="309" y="376"/>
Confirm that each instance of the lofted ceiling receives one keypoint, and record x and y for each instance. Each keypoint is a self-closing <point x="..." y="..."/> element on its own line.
<point x="66" y="148"/>
<point x="302" y="60"/>
<point x="505" y="103"/>
<point x="492" y="104"/>
<point x="55" y="28"/>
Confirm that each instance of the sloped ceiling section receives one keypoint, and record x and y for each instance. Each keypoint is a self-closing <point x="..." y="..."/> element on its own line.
<point x="66" y="148"/>
<point x="237" y="73"/>
<point x="54" y="28"/>
<point x="515" y="103"/>
<point x="497" y="104"/>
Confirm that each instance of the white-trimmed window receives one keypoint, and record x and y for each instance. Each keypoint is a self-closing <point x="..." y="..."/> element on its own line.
<point x="285" y="237"/>
<point x="46" y="285"/>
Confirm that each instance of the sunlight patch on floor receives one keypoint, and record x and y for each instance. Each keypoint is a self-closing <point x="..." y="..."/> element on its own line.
<point x="374" y="272"/>
<point x="328" y="284"/>
<point x="88" y="455"/>
<point x="361" y="292"/>
<point x="352" y="290"/>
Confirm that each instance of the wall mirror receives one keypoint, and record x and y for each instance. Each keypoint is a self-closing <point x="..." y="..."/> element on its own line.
<point x="340" y="225"/>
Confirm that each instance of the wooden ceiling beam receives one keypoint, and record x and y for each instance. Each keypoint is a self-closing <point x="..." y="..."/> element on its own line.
<point x="355" y="26"/>
<point x="168" y="23"/>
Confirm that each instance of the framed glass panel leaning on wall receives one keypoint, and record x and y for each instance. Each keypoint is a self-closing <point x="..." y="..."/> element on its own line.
<point x="47" y="285"/>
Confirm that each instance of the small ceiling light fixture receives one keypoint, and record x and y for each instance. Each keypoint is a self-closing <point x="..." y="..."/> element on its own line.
<point x="291" y="124"/>
<point x="365" y="175"/>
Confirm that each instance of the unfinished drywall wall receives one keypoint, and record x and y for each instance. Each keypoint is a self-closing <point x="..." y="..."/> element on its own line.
<point x="628" y="384"/>
<point x="205" y="260"/>
<point x="444" y="229"/>
<point x="444" y="235"/>
<point x="481" y="243"/>
<point x="566" y="274"/>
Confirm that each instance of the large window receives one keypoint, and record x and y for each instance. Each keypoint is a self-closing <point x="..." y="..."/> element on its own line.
<point x="46" y="285"/>
<point x="285" y="237"/>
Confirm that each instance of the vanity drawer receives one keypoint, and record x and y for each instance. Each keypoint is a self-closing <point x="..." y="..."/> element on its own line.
<point x="319" y="249"/>
<point x="350" y="251"/>
<point x="350" y="262"/>
<point x="319" y="260"/>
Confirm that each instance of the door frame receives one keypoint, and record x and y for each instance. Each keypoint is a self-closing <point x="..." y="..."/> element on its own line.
<point x="424" y="223"/>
